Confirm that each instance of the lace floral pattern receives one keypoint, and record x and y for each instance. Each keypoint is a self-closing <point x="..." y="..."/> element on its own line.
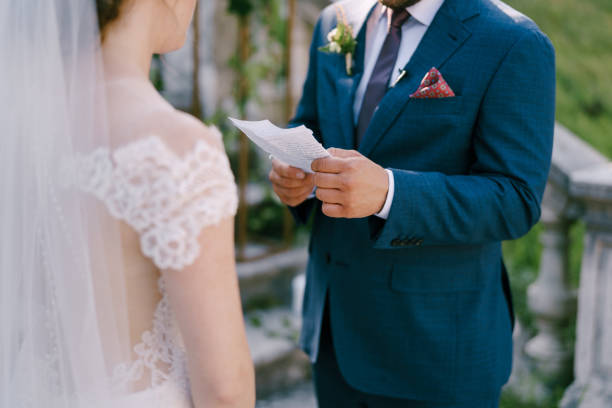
<point x="167" y="200"/>
<point x="161" y="353"/>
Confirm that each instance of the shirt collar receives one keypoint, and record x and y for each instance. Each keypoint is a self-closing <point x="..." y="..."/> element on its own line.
<point x="424" y="11"/>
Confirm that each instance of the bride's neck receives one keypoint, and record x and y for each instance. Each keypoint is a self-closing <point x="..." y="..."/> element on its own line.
<point x="128" y="48"/>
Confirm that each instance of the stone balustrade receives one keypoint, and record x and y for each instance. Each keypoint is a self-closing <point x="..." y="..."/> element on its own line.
<point x="592" y="387"/>
<point x="579" y="188"/>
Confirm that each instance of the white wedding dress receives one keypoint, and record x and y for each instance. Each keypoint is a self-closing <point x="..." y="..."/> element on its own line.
<point x="167" y="199"/>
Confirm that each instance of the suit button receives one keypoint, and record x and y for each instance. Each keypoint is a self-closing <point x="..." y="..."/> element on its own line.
<point x="396" y="242"/>
<point x="419" y="242"/>
<point x="327" y="258"/>
<point x="406" y="242"/>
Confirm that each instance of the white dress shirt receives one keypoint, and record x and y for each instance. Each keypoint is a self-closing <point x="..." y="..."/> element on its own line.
<point x="413" y="30"/>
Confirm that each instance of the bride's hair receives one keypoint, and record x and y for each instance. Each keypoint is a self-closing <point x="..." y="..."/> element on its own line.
<point x="108" y="10"/>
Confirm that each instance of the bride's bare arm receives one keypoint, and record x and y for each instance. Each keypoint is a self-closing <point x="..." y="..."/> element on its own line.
<point x="206" y="301"/>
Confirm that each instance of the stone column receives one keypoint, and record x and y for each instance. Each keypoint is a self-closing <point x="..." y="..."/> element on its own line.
<point x="592" y="387"/>
<point x="549" y="297"/>
<point x="545" y="358"/>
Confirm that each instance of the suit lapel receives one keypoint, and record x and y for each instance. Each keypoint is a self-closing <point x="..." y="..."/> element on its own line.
<point x="357" y="14"/>
<point x="443" y="38"/>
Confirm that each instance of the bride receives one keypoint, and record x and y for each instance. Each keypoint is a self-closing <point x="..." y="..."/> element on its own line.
<point x="117" y="277"/>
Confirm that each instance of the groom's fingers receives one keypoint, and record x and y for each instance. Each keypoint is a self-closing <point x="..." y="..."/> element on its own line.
<point x="329" y="165"/>
<point x="327" y="180"/>
<point x="287" y="171"/>
<point x="332" y="210"/>
<point x="287" y="182"/>
<point x="335" y="152"/>
<point x="329" y="195"/>
<point x="293" y="192"/>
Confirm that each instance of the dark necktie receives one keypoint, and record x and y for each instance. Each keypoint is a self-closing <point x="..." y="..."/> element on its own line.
<point x="377" y="87"/>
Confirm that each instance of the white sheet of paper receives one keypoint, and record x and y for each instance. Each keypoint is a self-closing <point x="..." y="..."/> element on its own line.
<point x="296" y="147"/>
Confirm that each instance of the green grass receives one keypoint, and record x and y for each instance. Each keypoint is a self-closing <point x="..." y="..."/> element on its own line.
<point x="581" y="32"/>
<point x="513" y="401"/>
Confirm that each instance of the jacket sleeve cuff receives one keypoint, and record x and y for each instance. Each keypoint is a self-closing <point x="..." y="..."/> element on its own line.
<point x="395" y="231"/>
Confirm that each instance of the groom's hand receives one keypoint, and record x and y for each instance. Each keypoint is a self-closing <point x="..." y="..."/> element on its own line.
<point x="291" y="185"/>
<point x="350" y="185"/>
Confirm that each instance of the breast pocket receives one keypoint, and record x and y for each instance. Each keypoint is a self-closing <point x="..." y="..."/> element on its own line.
<point x="435" y="106"/>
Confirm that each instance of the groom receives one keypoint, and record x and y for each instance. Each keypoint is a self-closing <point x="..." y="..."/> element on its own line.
<point x="407" y="300"/>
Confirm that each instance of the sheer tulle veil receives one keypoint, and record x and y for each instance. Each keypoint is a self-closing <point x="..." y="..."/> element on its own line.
<point x="63" y="320"/>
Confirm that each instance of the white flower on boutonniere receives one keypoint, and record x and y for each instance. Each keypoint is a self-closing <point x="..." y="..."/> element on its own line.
<point x="342" y="40"/>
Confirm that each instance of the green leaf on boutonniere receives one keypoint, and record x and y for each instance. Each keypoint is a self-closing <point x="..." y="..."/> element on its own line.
<point x="341" y="40"/>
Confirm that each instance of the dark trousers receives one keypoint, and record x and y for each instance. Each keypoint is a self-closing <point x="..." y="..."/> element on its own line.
<point x="334" y="392"/>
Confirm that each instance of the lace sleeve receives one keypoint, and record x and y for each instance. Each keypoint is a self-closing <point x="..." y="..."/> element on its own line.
<point x="167" y="199"/>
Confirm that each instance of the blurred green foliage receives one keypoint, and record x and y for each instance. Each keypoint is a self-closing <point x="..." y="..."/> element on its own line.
<point x="581" y="32"/>
<point x="514" y="401"/>
<point x="155" y="74"/>
<point x="240" y="7"/>
<point x="266" y="219"/>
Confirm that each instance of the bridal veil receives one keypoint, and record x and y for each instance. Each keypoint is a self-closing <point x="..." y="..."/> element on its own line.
<point x="63" y="320"/>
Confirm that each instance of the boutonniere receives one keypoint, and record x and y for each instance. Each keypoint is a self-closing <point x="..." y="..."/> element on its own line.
<point x="342" y="40"/>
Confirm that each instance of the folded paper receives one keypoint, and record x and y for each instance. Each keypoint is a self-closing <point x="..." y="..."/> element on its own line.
<point x="296" y="147"/>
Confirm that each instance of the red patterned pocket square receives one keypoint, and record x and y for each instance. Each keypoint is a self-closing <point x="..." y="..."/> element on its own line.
<point x="433" y="86"/>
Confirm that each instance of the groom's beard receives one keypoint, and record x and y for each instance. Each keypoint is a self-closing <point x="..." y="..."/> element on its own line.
<point x="398" y="4"/>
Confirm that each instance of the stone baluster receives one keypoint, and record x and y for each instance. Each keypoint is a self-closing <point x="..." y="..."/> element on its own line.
<point x="592" y="387"/>
<point x="549" y="298"/>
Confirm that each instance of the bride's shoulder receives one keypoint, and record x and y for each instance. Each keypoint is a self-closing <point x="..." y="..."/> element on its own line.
<point x="182" y="131"/>
<point x="138" y="112"/>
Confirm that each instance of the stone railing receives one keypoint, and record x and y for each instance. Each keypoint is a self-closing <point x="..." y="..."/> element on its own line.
<point x="579" y="188"/>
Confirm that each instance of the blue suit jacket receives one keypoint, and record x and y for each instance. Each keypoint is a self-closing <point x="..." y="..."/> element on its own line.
<point x="417" y="301"/>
